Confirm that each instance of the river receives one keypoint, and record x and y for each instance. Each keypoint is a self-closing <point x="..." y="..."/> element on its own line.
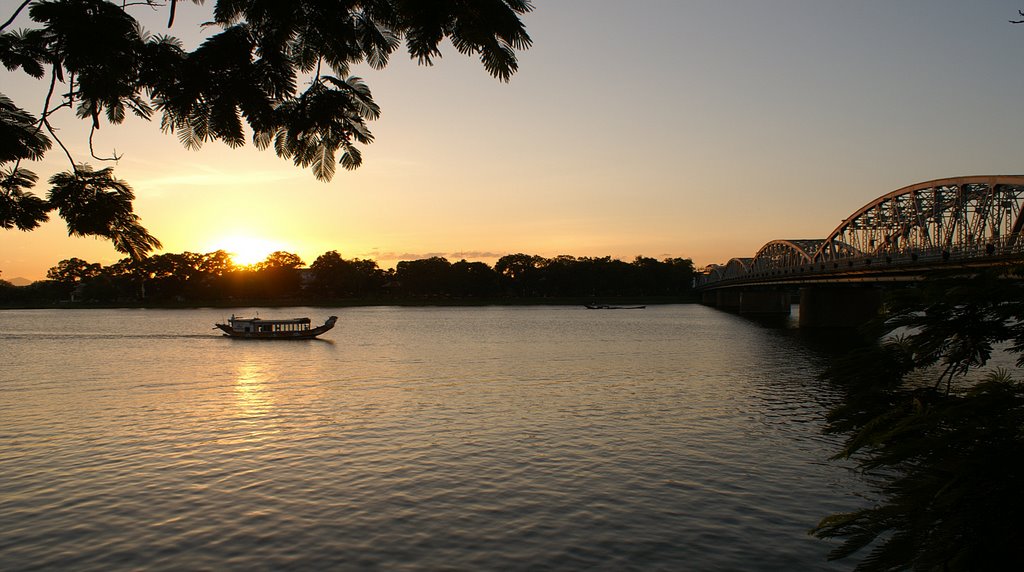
<point x="495" y="438"/>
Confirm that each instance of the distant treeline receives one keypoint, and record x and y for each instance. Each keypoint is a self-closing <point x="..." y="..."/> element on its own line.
<point x="212" y="278"/>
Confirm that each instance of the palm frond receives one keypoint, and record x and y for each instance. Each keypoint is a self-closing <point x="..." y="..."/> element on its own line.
<point x="19" y="136"/>
<point x="323" y="161"/>
<point x="25" y="50"/>
<point x="352" y="158"/>
<point x="19" y="208"/>
<point x="130" y="237"/>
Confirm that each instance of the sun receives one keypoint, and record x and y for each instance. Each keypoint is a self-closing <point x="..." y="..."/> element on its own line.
<point x="247" y="250"/>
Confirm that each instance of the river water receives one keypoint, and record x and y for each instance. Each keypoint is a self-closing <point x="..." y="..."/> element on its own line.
<point x="495" y="438"/>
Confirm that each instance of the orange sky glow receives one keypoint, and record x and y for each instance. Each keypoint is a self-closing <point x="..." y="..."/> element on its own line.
<point x="665" y="129"/>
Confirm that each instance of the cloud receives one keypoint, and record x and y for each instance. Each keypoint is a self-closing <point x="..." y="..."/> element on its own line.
<point x="391" y="255"/>
<point x="469" y="254"/>
<point x="159" y="181"/>
<point x="378" y="255"/>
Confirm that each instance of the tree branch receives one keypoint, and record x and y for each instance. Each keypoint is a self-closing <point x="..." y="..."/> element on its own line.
<point x="116" y="157"/>
<point x="49" y="94"/>
<point x="53" y="134"/>
<point x="43" y="119"/>
<point x="26" y="2"/>
<point x="151" y="3"/>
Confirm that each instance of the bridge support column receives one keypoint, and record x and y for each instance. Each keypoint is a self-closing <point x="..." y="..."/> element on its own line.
<point x="838" y="306"/>
<point x="764" y="303"/>
<point x="728" y="299"/>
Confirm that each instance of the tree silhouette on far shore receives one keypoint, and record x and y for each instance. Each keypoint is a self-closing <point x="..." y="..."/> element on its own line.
<point x="282" y="278"/>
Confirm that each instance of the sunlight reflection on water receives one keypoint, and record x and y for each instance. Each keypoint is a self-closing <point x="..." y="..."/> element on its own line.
<point x="466" y="438"/>
<point x="253" y="398"/>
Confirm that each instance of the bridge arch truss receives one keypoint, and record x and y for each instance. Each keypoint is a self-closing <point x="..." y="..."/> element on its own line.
<point x="783" y="254"/>
<point x="965" y="219"/>
<point x="959" y="217"/>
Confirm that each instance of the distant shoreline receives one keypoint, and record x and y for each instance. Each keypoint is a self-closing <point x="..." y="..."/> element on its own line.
<point x="357" y="302"/>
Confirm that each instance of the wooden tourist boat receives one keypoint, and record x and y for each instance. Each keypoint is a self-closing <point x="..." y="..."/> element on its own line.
<point x="260" y="329"/>
<point x="607" y="307"/>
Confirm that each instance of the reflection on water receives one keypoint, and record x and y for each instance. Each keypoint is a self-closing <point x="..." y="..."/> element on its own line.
<point x="254" y="400"/>
<point x="675" y="437"/>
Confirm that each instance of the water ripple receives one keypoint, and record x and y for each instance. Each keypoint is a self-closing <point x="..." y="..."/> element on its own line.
<point x="421" y="438"/>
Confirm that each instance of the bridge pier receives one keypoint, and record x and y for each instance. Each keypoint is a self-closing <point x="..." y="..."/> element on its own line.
<point x="752" y="302"/>
<point x="728" y="299"/>
<point x="838" y="306"/>
<point x="764" y="303"/>
<point x="709" y="298"/>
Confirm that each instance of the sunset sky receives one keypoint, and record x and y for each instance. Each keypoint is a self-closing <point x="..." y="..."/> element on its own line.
<point x="662" y="128"/>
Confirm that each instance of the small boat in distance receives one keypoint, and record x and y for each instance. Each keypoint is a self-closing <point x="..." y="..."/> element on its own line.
<point x="260" y="329"/>
<point x="607" y="307"/>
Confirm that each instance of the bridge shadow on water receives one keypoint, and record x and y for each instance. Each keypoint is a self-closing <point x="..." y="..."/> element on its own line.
<point x="825" y="348"/>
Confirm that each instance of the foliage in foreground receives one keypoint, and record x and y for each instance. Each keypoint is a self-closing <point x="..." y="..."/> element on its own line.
<point x="94" y="57"/>
<point x="944" y="439"/>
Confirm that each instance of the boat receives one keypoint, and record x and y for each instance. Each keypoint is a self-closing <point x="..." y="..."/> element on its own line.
<point x="607" y="307"/>
<point x="260" y="329"/>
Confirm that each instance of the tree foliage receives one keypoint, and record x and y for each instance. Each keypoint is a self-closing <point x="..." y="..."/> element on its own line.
<point x="95" y="203"/>
<point x="279" y="71"/>
<point x="281" y="260"/>
<point x="945" y="440"/>
<point x="337" y="277"/>
<point x="73" y="270"/>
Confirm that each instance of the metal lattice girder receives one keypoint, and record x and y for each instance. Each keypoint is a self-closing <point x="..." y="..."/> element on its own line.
<point x="972" y="220"/>
<point x="713" y="273"/>
<point x="779" y="254"/>
<point x="963" y="215"/>
<point x="737" y="267"/>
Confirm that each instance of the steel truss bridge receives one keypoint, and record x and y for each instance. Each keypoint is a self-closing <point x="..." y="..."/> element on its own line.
<point x="964" y="222"/>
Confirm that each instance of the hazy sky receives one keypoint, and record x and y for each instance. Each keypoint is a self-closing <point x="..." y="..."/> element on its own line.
<point x="698" y="129"/>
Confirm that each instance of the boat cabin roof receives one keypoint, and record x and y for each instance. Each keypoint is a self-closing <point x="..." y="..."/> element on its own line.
<point x="262" y="321"/>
